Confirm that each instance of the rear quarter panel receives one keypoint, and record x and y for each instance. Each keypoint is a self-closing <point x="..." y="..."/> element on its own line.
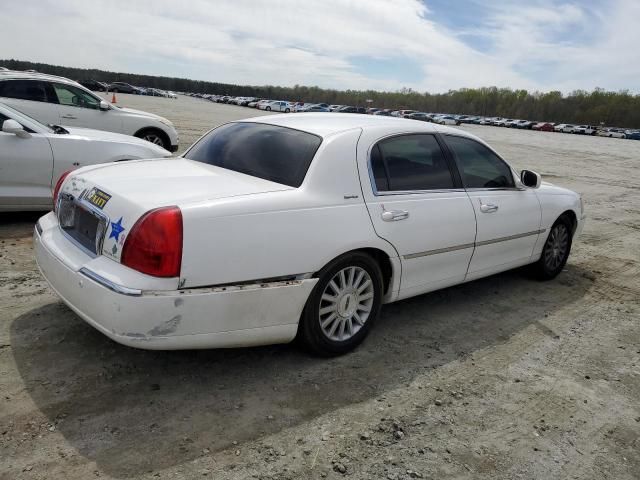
<point x="281" y="233"/>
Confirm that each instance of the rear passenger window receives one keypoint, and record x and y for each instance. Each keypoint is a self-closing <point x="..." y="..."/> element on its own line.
<point x="478" y="165"/>
<point x="410" y="162"/>
<point x="23" y="90"/>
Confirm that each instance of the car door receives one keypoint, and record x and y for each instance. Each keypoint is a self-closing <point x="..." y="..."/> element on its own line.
<point x="81" y="109"/>
<point x="508" y="214"/>
<point x="416" y="203"/>
<point x="32" y="98"/>
<point x="26" y="166"/>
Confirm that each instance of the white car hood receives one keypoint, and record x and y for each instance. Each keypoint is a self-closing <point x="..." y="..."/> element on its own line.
<point x="145" y="114"/>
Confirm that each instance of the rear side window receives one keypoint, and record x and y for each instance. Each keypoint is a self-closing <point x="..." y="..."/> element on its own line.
<point x="478" y="165"/>
<point x="24" y="90"/>
<point x="410" y="162"/>
<point x="270" y="152"/>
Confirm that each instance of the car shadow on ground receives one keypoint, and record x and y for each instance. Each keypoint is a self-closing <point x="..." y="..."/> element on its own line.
<point x="132" y="411"/>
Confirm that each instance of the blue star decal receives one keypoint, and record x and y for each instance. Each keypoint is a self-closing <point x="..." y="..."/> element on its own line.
<point x="116" y="229"/>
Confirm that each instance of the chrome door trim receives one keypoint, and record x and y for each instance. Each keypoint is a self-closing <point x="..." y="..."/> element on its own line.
<point x="470" y="245"/>
<point x="437" y="251"/>
<point x="510" y="237"/>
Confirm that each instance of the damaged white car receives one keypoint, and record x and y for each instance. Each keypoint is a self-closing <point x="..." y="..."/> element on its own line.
<point x="302" y="226"/>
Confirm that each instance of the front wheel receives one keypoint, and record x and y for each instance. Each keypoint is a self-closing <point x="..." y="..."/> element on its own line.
<point x="555" y="252"/>
<point x="342" y="306"/>
<point x="286" y="110"/>
<point x="154" y="136"/>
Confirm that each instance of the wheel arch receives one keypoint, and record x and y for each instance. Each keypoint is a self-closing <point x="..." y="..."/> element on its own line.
<point x="382" y="258"/>
<point x="573" y="218"/>
<point x="140" y="133"/>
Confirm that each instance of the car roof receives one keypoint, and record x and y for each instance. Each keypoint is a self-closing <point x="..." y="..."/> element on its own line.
<point x="18" y="75"/>
<point x="326" y="124"/>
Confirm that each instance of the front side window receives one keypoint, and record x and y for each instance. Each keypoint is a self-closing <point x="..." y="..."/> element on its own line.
<point x="33" y="90"/>
<point x="478" y="165"/>
<point x="270" y="152"/>
<point x="410" y="162"/>
<point x="74" y="97"/>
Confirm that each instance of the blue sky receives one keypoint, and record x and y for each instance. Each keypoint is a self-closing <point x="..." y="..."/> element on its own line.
<point x="427" y="45"/>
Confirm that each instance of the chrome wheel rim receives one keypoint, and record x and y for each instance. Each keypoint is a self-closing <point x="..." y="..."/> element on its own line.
<point x="556" y="248"/>
<point x="153" y="138"/>
<point x="346" y="303"/>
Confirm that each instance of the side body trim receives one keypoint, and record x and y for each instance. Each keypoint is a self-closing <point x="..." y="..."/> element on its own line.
<point x="470" y="245"/>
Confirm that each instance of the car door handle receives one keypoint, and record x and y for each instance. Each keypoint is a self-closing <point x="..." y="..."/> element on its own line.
<point x="488" y="207"/>
<point x="394" y="215"/>
<point x="70" y="117"/>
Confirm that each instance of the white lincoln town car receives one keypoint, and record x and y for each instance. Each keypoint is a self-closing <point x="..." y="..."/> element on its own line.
<point x="296" y="226"/>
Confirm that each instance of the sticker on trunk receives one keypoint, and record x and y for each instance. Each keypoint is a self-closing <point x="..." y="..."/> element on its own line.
<point x="97" y="198"/>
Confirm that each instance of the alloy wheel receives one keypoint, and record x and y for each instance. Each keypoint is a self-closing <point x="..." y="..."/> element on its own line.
<point x="154" y="138"/>
<point x="556" y="247"/>
<point x="346" y="303"/>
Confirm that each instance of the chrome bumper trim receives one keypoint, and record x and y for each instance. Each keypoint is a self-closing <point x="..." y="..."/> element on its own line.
<point x="132" y="292"/>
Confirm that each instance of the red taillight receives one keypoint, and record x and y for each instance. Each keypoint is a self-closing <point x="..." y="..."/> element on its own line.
<point x="154" y="244"/>
<point x="56" y="190"/>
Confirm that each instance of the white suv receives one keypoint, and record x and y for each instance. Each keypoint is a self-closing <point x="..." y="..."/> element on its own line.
<point x="60" y="101"/>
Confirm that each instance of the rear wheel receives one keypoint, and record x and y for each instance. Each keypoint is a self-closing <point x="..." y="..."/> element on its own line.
<point x="286" y="110"/>
<point x="342" y="306"/>
<point x="268" y="109"/>
<point x="556" y="250"/>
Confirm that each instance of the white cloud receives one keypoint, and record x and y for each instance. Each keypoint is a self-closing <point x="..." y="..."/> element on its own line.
<point x="287" y="42"/>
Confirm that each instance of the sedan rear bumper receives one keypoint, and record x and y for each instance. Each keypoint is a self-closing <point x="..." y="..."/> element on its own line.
<point x="231" y="316"/>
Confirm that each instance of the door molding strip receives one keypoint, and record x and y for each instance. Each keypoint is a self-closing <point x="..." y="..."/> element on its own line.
<point x="470" y="245"/>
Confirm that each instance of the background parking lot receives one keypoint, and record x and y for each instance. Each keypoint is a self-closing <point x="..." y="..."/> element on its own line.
<point x="504" y="377"/>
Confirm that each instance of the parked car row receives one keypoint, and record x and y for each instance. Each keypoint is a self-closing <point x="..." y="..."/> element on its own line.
<point x="438" y="118"/>
<point x="124" y="87"/>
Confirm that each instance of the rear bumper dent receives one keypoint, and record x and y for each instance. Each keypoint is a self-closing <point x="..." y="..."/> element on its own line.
<point x="216" y="317"/>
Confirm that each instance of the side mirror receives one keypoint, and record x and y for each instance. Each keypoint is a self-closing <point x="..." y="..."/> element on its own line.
<point x="104" y="105"/>
<point x="11" y="126"/>
<point x="530" y="179"/>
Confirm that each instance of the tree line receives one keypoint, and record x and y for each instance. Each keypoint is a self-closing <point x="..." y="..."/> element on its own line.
<point x="595" y="107"/>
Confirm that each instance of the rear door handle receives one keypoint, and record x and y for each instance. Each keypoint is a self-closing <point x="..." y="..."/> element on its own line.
<point x="394" y="215"/>
<point x="488" y="207"/>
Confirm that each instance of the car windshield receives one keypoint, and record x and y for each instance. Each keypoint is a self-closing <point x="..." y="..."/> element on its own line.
<point x="270" y="152"/>
<point x="23" y="117"/>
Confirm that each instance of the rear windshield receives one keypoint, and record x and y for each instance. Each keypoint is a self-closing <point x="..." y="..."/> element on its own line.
<point x="278" y="154"/>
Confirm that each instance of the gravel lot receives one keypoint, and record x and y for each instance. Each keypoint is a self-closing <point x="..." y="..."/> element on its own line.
<point x="504" y="377"/>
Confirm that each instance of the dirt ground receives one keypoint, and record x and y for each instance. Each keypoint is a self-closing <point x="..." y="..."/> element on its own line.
<point x="502" y="378"/>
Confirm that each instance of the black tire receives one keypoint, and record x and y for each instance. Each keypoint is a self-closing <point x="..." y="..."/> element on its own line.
<point x="268" y="109"/>
<point x="286" y="110"/>
<point x="148" y="133"/>
<point x="310" y="331"/>
<point x="556" y="250"/>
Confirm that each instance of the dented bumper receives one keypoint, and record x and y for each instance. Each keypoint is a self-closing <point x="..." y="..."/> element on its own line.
<point x="231" y="316"/>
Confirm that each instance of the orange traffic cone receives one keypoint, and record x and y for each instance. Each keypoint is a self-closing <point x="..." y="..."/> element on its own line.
<point x="113" y="98"/>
